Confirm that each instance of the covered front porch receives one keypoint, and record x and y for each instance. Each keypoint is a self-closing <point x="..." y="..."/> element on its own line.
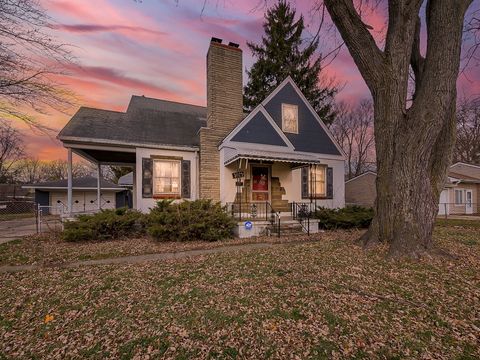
<point x="98" y="155"/>
<point x="256" y="183"/>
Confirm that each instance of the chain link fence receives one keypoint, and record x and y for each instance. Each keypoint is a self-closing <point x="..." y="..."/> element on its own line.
<point x="463" y="209"/>
<point x="17" y="218"/>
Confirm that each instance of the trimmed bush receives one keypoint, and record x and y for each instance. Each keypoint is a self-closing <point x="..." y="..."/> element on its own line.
<point x="189" y="220"/>
<point x="105" y="225"/>
<point x="345" y="218"/>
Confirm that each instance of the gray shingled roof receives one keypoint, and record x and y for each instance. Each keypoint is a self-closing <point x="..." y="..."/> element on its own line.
<point x="146" y="121"/>
<point x="78" y="183"/>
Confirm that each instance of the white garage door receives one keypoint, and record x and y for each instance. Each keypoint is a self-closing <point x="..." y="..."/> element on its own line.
<point x="83" y="201"/>
<point x="58" y="203"/>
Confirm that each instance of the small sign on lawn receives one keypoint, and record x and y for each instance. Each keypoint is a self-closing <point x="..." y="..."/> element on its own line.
<point x="248" y="225"/>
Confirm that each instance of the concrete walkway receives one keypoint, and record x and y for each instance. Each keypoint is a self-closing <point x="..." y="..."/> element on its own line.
<point x="17" y="228"/>
<point x="145" y="258"/>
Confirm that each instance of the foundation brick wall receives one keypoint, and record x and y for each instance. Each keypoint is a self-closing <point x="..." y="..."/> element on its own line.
<point x="224" y="112"/>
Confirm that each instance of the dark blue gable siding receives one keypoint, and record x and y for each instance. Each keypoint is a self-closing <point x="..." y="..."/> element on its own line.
<point x="311" y="137"/>
<point x="259" y="131"/>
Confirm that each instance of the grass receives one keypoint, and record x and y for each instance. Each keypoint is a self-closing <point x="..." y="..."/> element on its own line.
<point x="50" y="249"/>
<point x="322" y="300"/>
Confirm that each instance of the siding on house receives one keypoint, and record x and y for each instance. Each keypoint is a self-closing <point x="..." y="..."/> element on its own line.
<point x="361" y="190"/>
<point x="455" y="209"/>
<point x="145" y="204"/>
<point x="311" y="137"/>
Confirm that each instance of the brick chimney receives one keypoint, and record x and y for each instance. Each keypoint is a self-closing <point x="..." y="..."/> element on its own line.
<point x="224" y="111"/>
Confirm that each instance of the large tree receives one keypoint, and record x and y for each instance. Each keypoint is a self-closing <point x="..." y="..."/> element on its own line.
<point x="414" y="138"/>
<point x="285" y="51"/>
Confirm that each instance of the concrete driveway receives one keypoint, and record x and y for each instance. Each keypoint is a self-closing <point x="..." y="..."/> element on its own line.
<point x="14" y="229"/>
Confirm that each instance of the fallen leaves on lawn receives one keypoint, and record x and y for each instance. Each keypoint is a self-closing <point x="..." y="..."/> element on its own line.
<point x="327" y="299"/>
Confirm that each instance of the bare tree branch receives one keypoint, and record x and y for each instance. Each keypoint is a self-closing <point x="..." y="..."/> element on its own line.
<point x="30" y="59"/>
<point x="361" y="44"/>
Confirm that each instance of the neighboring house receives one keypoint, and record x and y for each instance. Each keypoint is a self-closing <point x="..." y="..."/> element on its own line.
<point x="461" y="194"/>
<point x="10" y="192"/>
<point x="361" y="190"/>
<point x="126" y="180"/>
<point x="51" y="196"/>
<point x="280" y="153"/>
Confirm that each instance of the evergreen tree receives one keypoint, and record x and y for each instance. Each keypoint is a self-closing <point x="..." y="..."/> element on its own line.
<point x="283" y="52"/>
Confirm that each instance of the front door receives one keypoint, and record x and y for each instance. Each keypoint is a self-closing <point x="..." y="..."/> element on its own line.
<point x="468" y="202"/>
<point x="260" y="183"/>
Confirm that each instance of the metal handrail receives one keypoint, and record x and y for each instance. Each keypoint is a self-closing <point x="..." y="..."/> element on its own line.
<point x="274" y="218"/>
<point x="255" y="211"/>
<point x="302" y="212"/>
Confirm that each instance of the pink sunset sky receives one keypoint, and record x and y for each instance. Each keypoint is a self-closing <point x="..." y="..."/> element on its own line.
<point x="157" y="48"/>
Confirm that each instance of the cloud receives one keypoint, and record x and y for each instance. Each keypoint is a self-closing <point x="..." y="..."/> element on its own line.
<point x="113" y="76"/>
<point x="92" y="28"/>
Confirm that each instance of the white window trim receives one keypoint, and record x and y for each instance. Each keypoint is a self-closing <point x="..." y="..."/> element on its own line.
<point x="283" y="121"/>
<point x="154" y="193"/>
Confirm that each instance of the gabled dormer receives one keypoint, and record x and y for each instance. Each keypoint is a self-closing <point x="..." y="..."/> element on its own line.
<point x="291" y="111"/>
<point x="285" y="119"/>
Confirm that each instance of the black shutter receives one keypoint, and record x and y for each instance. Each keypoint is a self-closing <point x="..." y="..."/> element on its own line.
<point x="305" y="182"/>
<point x="147" y="177"/>
<point x="330" y="183"/>
<point x="186" y="179"/>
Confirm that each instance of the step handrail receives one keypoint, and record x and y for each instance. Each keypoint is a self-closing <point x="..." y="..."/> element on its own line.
<point x="302" y="213"/>
<point x="255" y="211"/>
<point x="274" y="218"/>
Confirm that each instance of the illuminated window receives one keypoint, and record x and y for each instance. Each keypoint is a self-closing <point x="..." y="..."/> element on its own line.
<point x="166" y="177"/>
<point x="290" y="118"/>
<point x="316" y="182"/>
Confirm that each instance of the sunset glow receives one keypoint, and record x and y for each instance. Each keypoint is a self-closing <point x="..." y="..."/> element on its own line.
<point x="157" y="48"/>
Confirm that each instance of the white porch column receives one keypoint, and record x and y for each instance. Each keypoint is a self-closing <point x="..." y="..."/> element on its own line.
<point x="69" y="182"/>
<point x="99" y="192"/>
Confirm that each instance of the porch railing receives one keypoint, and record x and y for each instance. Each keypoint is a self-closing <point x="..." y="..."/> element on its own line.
<point x="255" y="211"/>
<point x="274" y="219"/>
<point x="302" y="212"/>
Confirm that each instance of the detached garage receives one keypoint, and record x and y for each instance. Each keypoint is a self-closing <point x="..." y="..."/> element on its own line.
<point x="52" y="196"/>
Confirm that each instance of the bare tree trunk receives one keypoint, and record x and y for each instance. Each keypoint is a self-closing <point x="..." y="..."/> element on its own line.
<point x="413" y="144"/>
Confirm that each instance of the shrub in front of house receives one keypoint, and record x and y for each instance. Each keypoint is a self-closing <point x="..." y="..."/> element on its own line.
<point x="189" y="220"/>
<point x="105" y="225"/>
<point x="345" y="218"/>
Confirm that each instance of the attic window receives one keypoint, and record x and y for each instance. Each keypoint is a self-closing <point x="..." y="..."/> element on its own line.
<point x="290" y="118"/>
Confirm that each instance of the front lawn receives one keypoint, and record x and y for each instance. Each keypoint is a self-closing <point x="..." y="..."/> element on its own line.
<point x="320" y="300"/>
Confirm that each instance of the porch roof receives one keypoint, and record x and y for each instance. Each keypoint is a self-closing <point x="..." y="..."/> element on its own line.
<point x="293" y="158"/>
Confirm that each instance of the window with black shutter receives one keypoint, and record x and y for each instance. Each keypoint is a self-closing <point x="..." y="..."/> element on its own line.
<point x="317" y="182"/>
<point x="147" y="178"/>
<point x="186" y="181"/>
